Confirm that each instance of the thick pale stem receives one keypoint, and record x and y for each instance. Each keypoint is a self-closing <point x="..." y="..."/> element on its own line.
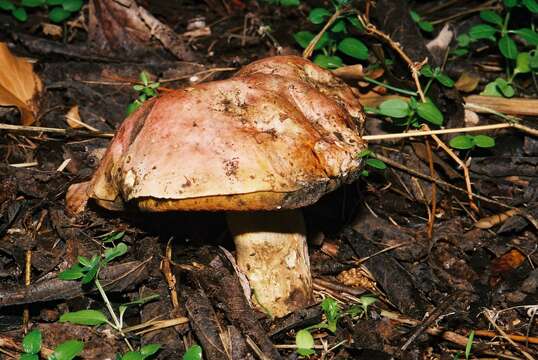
<point x="272" y="252"/>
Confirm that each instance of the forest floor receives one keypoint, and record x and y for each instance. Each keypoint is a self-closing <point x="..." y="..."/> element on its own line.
<point x="406" y="262"/>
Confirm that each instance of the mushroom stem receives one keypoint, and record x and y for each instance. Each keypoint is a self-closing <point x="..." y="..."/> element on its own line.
<point x="272" y="252"/>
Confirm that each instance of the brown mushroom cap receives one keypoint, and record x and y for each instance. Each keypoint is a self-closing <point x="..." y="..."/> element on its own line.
<point x="279" y="134"/>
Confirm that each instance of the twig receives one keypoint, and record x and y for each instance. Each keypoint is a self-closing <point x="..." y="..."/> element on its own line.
<point x="310" y="48"/>
<point x="414" y="133"/>
<point x="397" y="165"/>
<point x="431" y="319"/>
<point x="518" y="338"/>
<point x="460" y="162"/>
<point x="487" y="314"/>
<point x="413" y="66"/>
<point x="431" y="220"/>
<point x="9" y="127"/>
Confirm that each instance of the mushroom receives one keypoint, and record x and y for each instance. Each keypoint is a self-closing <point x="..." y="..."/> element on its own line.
<point x="275" y="137"/>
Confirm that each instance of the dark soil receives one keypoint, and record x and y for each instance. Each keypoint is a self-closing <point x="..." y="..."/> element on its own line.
<point x="369" y="237"/>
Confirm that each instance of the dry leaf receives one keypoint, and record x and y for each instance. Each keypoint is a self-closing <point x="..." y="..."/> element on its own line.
<point x="73" y="118"/>
<point x="19" y="85"/>
<point x="52" y="30"/>
<point x="467" y="82"/>
<point x="491" y="221"/>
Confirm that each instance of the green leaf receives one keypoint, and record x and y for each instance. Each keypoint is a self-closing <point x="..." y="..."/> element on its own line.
<point x="425" y="26"/>
<point x="429" y="112"/>
<point x="304" y="342"/>
<point x="377" y="164"/>
<point x="75" y="272"/>
<point x="6" y="5"/>
<point x="484" y="141"/>
<point x="492" y="17"/>
<point x="132" y="355"/>
<point x="528" y="35"/>
<point x="415" y="16"/>
<point x="531" y="5"/>
<point x="303" y="38"/>
<point x="365" y="173"/>
<point x="426" y="71"/>
<point x="463" y="40"/>
<point x="328" y="62"/>
<point x="20" y="14"/>
<point x="339" y="26"/>
<point x="491" y="89"/>
<point x="364" y="153"/>
<point x="59" y="14"/>
<point x="354" y="48"/>
<point x="67" y="350"/>
<point x="29" y="357"/>
<point x="116" y="251"/>
<point x="31" y="344"/>
<point x="318" y="15"/>
<point x="395" y="108"/>
<point x="331" y="307"/>
<point x="510" y="3"/>
<point x="469" y="345"/>
<point x="445" y="80"/>
<point x="138" y="87"/>
<point x="90" y="275"/>
<point x="32" y="3"/>
<point x="523" y="63"/>
<point x="367" y="300"/>
<point x="355" y="23"/>
<point x="533" y="62"/>
<point x="506" y="89"/>
<point x="462" y="142"/>
<point x="193" y="353"/>
<point x="132" y="107"/>
<point x="84" y="317"/>
<point x="482" y="31"/>
<point x="508" y="47"/>
<point x="149" y="350"/>
<point x="459" y="52"/>
<point x="55" y="2"/>
<point x="290" y="2"/>
<point x="144" y="77"/>
<point x="84" y="261"/>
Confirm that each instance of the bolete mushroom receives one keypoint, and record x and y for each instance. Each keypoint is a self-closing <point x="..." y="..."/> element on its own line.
<point x="275" y="137"/>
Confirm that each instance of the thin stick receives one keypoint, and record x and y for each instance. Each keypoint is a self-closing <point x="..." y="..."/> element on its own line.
<point x="460" y="162"/>
<point x="431" y="220"/>
<point x="414" y="133"/>
<point x="310" y="48"/>
<point x="413" y="66"/>
<point x="488" y="316"/>
<point x="9" y="127"/>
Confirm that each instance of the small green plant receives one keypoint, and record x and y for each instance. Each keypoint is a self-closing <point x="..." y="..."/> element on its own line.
<point x="146" y="90"/>
<point x="31" y="345"/>
<point x="412" y="112"/>
<point x="422" y="24"/>
<point x="468" y="347"/>
<point x="336" y="40"/>
<point x="284" y="2"/>
<point x="58" y="10"/>
<point x="468" y="142"/>
<point x="371" y="161"/>
<point x="333" y="312"/>
<point x="194" y="352"/>
<point x="496" y="29"/>
<point x="86" y="270"/>
<point x="143" y="353"/>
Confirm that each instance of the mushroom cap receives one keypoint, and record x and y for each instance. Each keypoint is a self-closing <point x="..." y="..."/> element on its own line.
<point x="279" y="134"/>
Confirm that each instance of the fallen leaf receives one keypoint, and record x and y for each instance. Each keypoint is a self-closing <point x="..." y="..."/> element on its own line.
<point x="19" y="85"/>
<point x="73" y="118"/>
<point x="52" y="30"/>
<point x="467" y="82"/>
